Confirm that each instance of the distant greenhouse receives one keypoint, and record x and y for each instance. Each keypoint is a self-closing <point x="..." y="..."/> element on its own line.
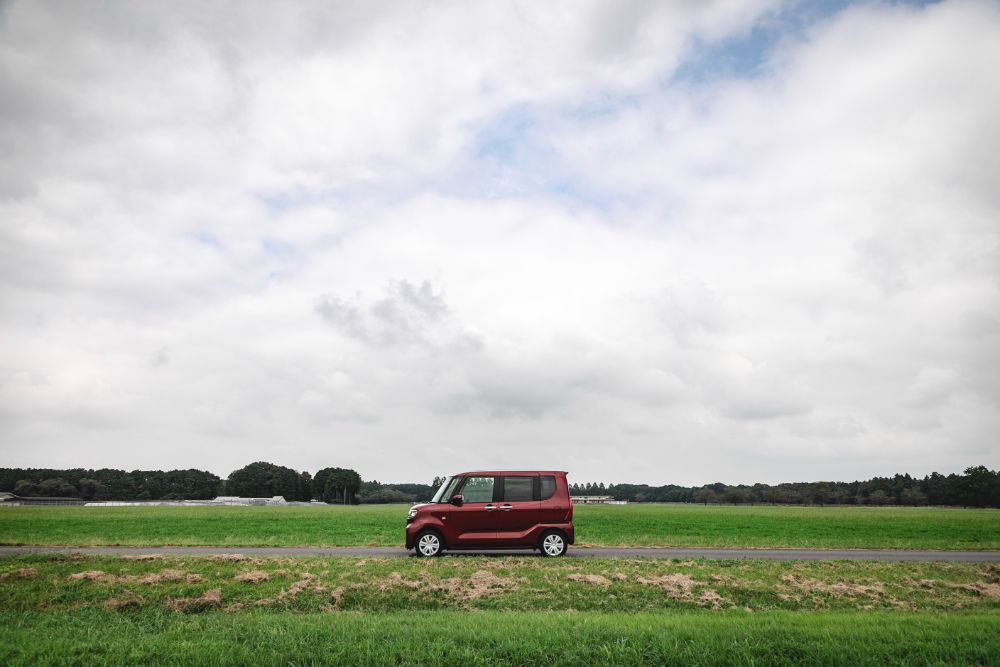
<point x="218" y="501"/>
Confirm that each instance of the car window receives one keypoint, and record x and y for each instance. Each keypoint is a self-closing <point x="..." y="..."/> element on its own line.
<point x="447" y="490"/>
<point x="518" y="488"/>
<point x="478" y="490"/>
<point x="548" y="487"/>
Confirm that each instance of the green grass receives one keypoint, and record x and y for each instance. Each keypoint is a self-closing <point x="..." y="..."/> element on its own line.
<point x="640" y="525"/>
<point x="494" y="638"/>
<point x="59" y="583"/>
<point x="770" y="526"/>
<point x="71" y="609"/>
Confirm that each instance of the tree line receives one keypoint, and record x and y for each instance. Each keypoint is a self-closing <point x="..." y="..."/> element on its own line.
<point x="977" y="486"/>
<point x="257" y="480"/>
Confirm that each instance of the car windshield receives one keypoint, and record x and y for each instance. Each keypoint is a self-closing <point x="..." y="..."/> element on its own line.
<point x="447" y="489"/>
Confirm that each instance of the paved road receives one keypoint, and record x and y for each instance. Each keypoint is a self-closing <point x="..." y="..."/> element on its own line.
<point x="577" y="552"/>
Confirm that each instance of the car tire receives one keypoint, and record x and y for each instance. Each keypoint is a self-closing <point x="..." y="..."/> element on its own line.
<point x="428" y="543"/>
<point x="552" y="544"/>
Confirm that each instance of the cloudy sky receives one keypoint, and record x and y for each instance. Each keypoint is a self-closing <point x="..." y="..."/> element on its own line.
<point x="664" y="242"/>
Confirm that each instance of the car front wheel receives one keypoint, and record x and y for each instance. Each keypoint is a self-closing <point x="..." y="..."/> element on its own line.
<point x="428" y="544"/>
<point x="553" y="544"/>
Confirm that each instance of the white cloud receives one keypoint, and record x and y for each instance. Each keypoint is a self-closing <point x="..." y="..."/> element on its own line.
<point x="412" y="240"/>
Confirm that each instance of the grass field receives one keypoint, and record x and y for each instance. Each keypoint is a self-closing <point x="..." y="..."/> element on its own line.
<point x="493" y="638"/>
<point x="68" y="609"/>
<point x="640" y="525"/>
<point x="240" y="583"/>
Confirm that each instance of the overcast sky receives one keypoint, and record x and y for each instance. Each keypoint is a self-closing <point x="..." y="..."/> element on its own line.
<point x="663" y="242"/>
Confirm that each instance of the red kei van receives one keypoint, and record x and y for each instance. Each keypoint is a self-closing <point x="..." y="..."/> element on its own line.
<point x="495" y="509"/>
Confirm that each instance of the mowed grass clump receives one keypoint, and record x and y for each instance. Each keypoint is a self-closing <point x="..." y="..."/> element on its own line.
<point x="100" y="636"/>
<point x="629" y="525"/>
<point x="238" y="584"/>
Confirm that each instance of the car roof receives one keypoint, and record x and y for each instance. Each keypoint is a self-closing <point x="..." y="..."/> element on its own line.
<point x="508" y="473"/>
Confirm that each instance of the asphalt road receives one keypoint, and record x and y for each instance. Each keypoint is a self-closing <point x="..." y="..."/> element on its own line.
<point x="574" y="552"/>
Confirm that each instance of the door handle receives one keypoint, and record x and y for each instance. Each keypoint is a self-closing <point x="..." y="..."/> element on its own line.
<point x="490" y="508"/>
<point x="506" y="507"/>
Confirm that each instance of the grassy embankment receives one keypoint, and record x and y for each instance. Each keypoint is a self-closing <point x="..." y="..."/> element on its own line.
<point x="226" y="610"/>
<point x="641" y="525"/>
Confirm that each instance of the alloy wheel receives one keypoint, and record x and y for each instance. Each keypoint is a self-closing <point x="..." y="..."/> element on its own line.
<point x="429" y="544"/>
<point x="553" y="545"/>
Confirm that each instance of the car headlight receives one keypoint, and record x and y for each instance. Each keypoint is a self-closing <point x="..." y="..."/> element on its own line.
<point x="411" y="514"/>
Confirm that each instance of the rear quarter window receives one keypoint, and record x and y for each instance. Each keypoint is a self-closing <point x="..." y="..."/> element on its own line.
<point x="548" y="487"/>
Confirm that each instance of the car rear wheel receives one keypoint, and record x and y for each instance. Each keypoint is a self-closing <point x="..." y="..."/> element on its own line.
<point x="552" y="544"/>
<point x="428" y="543"/>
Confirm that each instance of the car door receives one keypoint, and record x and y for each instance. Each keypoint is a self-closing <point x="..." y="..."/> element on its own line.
<point x="517" y="513"/>
<point x="474" y="522"/>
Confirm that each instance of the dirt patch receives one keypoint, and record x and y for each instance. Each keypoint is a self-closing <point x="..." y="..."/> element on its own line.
<point x="594" y="579"/>
<point x="251" y="577"/>
<point x="229" y="557"/>
<point x="681" y="587"/>
<point x="23" y="573"/>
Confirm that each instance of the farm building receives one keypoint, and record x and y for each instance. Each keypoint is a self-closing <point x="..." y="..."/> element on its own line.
<point x="596" y="500"/>
<point x="10" y="500"/>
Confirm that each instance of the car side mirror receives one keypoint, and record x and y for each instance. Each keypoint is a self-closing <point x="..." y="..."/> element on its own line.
<point x="457" y="499"/>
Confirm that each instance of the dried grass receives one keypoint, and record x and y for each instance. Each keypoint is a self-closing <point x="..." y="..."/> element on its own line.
<point x="595" y="579"/>
<point x="129" y="601"/>
<point x="207" y="600"/>
<point x="987" y="590"/>
<point x="307" y="582"/>
<point x="681" y="587"/>
<point x="479" y="584"/>
<point x="482" y="583"/>
<point x="251" y="577"/>
<point x="22" y="573"/>
<point x="91" y="575"/>
<point x="160" y="577"/>
<point x="839" y="589"/>
<point x="145" y="579"/>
